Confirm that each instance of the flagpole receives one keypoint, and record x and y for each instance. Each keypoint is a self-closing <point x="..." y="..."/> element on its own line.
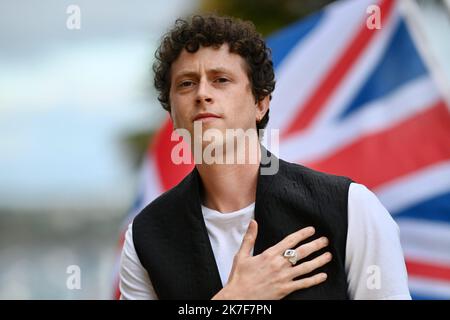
<point x="415" y="21"/>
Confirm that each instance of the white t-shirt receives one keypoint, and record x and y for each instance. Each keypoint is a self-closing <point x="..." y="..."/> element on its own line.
<point x="374" y="260"/>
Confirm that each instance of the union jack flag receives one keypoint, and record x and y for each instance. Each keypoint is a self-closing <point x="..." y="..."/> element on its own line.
<point x="359" y="102"/>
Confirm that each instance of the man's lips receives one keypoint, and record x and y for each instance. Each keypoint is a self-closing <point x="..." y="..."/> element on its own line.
<point x="205" y="115"/>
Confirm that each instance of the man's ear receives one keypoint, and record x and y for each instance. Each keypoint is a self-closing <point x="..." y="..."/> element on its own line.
<point x="261" y="107"/>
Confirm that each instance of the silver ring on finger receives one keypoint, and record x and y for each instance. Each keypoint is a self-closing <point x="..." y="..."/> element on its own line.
<point x="291" y="256"/>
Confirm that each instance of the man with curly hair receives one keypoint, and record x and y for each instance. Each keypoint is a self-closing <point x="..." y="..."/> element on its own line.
<point x="227" y="231"/>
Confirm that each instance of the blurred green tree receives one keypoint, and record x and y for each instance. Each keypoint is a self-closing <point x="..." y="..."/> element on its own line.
<point x="267" y="15"/>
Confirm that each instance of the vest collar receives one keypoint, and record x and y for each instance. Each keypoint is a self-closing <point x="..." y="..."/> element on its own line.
<point x="199" y="245"/>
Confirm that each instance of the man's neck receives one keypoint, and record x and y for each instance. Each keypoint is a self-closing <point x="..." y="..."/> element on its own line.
<point x="229" y="187"/>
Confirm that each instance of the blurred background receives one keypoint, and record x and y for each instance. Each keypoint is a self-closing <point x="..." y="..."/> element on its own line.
<point x="78" y="113"/>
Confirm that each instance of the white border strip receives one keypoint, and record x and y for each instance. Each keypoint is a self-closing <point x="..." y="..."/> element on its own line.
<point x="425" y="240"/>
<point x="415" y="22"/>
<point x="411" y="99"/>
<point x="359" y="72"/>
<point x="302" y="70"/>
<point x="415" y="187"/>
<point x="429" y="288"/>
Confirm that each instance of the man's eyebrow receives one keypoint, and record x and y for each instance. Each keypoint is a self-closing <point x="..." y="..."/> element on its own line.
<point x="186" y="73"/>
<point x="219" y="70"/>
<point x="189" y="73"/>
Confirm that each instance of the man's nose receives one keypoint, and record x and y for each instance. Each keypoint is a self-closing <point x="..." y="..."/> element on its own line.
<point x="203" y="93"/>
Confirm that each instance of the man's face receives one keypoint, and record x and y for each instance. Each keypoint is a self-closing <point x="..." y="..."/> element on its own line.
<point x="213" y="81"/>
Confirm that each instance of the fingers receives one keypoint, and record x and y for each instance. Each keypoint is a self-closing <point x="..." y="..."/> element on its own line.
<point x="306" y="249"/>
<point x="249" y="239"/>
<point x="305" y="268"/>
<point x="307" y="282"/>
<point x="292" y="240"/>
<point x="309" y="266"/>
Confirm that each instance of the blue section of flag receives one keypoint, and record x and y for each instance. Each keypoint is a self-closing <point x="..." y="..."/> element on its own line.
<point x="284" y="40"/>
<point x="436" y="209"/>
<point x="419" y="296"/>
<point x="399" y="64"/>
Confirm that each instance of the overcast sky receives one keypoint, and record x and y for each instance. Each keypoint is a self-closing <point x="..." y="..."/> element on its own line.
<point x="67" y="97"/>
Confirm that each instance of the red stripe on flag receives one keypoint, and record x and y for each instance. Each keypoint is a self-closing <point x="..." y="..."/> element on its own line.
<point x="334" y="76"/>
<point x="428" y="270"/>
<point x="415" y="143"/>
<point x="169" y="174"/>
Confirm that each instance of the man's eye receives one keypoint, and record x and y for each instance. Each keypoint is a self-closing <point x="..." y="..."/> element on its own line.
<point x="186" y="84"/>
<point x="222" y="80"/>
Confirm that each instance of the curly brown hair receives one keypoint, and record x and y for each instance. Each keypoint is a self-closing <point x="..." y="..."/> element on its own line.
<point x="212" y="30"/>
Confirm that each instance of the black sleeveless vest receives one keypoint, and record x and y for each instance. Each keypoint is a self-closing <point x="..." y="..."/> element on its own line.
<point x="172" y="242"/>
